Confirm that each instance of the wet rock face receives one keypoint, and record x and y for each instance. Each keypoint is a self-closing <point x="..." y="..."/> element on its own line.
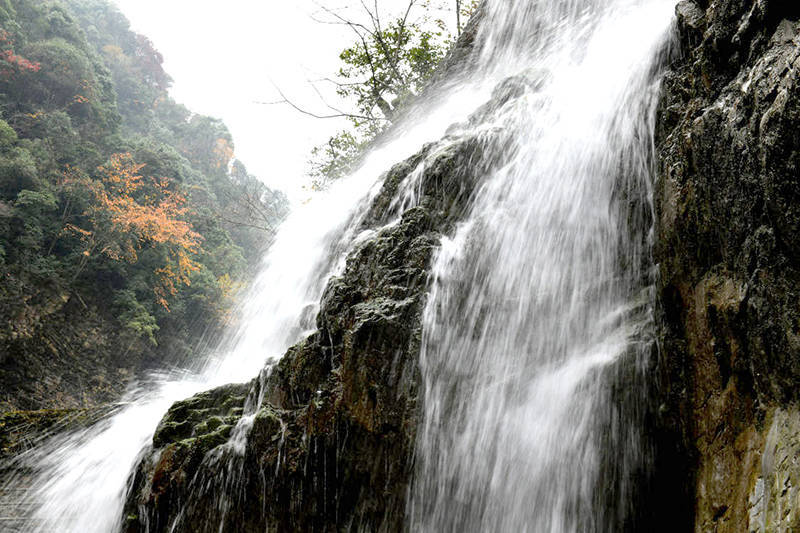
<point x="22" y="430"/>
<point x="330" y="447"/>
<point x="728" y="235"/>
<point x="190" y="429"/>
<point x="58" y="354"/>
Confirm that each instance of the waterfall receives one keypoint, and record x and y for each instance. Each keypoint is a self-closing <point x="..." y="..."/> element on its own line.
<point x="539" y="319"/>
<point x="77" y="482"/>
<point x="539" y="313"/>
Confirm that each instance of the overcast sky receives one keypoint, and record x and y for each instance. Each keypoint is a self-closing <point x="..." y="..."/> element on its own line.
<point x="225" y="57"/>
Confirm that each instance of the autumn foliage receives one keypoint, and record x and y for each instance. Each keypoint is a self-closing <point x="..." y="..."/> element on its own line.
<point x="142" y="258"/>
<point x="128" y="212"/>
<point x="11" y="62"/>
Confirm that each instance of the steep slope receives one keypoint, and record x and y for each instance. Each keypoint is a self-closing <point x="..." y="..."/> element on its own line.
<point x="728" y="234"/>
<point x="97" y="284"/>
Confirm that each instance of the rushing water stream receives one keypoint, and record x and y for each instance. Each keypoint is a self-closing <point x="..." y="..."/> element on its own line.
<point x="534" y="303"/>
<point x="542" y="298"/>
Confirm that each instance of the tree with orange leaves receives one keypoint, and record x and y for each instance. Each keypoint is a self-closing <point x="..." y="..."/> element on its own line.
<point x="10" y="62"/>
<point x="128" y="212"/>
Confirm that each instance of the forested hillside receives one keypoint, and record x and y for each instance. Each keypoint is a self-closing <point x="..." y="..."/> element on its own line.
<point x="126" y="225"/>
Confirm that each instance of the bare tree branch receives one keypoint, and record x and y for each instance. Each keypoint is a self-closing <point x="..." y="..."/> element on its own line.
<point x="458" y="17"/>
<point x="322" y="99"/>
<point x="353" y="25"/>
<point x="338" y="83"/>
<point x="340" y="114"/>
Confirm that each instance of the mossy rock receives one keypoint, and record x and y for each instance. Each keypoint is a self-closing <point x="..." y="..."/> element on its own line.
<point x="208" y="416"/>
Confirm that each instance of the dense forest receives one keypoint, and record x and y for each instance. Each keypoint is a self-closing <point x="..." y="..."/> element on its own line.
<point x="126" y="224"/>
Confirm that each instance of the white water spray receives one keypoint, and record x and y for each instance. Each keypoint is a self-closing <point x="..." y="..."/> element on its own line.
<point x="542" y="299"/>
<point x="512" y="367"/>
<point x="77" y="482"/>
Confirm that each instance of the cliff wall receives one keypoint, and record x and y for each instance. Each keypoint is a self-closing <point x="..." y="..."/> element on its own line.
<point x="728" y="221"/>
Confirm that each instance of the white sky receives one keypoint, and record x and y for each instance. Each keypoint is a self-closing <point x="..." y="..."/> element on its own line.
<point x="225" y="57"/>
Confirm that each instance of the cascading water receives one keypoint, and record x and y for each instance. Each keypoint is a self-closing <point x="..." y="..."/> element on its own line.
<point x="77" y="482"/>
<point x="543" y="290"/>
<point x="540" y="307"/>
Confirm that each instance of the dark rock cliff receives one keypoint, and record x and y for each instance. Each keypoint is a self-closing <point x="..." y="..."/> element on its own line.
<point x="728" y="221"/>
<point x="59" y="354"/>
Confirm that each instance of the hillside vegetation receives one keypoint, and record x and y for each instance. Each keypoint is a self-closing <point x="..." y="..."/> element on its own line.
<point x="126" y="224"/>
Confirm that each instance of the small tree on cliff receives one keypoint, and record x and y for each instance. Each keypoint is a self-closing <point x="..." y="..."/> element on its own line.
<point x="388" y="62"/>
<point x="387" y="65"/>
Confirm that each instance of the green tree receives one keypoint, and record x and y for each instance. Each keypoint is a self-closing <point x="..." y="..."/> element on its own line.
<point x="387" y="66"/>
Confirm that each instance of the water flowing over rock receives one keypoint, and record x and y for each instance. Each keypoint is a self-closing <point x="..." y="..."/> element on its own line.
<point x="329" y="446"/>
<point x="573" y="309"/>
<point x="527" y="360"/>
